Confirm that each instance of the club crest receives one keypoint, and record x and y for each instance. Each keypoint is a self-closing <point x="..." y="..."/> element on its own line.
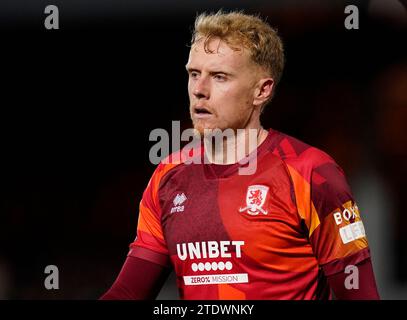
<point x="255" y="198"/>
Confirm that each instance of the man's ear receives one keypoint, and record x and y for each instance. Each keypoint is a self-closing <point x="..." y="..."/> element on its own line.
<point x="263" y="91"/>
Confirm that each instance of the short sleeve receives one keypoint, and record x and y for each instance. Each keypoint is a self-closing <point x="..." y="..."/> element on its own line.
<point x="339" y="236"/>
<point x="150" y="242"/>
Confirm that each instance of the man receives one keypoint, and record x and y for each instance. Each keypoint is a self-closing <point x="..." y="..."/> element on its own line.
<point x="289" y="230"/>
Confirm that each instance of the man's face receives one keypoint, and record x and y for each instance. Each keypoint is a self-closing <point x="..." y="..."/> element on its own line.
<point x="221" y="87"/>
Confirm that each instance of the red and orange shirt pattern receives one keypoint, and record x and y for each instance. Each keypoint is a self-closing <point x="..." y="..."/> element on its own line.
<point x="274" y="234"/>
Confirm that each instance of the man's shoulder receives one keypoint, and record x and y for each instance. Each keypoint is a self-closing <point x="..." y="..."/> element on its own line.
<point x="297" y="153"/>
<point x="310" y="165"/>
<point x="178" y="160"/>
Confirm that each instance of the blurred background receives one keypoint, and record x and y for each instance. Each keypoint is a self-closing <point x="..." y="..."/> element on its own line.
<point x="78" y="105"/>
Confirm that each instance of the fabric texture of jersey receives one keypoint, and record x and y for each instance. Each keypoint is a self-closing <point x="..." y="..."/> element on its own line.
<point x="274" y="234"/>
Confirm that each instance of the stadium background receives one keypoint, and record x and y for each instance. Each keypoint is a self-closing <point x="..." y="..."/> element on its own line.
<point x="78" y="104"/>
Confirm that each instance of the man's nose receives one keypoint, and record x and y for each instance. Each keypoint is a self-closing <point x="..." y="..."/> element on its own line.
<point x="201" y="88"/>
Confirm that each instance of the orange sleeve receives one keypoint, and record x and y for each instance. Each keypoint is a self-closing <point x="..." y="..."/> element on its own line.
<point x="340" y="232"/>
<point x="327" y="207"/>
<point x="150" y="243"/>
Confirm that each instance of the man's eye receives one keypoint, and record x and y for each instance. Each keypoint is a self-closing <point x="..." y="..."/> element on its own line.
<point x="194" y="75"/>
<point x="219" y="77"/>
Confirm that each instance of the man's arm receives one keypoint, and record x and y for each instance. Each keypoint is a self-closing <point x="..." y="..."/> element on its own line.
<point x="357" y="284"/>
<point x="335" y="229"/>
<point x="148" y="264"/>
<point x="138" y="279"/>
<point x="339" y="239"/>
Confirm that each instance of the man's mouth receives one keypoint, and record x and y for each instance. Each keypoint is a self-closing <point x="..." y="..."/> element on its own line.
<point x="201" y="112"/>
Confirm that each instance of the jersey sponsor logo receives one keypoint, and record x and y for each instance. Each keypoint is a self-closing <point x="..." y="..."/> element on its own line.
<point x="178" y="201"/>
<point x="208" y="249"/>
<point x="212" y="256"/>
<point x="353" y="229"/>
<point x="255" y="199"/>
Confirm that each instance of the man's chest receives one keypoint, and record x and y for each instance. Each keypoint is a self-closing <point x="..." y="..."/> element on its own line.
<point x="205" y="219"/>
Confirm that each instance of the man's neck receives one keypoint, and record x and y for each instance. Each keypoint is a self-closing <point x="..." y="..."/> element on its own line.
<point x="231" y="147"/>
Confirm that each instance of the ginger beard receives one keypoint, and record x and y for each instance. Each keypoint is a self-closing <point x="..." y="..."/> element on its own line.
<point x="221" y="87"/>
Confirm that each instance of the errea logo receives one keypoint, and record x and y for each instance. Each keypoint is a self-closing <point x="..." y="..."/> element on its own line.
<point x="178" y="201"/>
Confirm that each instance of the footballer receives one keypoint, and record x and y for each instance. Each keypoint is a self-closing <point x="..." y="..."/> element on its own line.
<point x="290" y="230"/>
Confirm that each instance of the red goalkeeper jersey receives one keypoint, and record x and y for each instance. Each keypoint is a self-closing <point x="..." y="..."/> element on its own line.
<point x="275" y="234"/>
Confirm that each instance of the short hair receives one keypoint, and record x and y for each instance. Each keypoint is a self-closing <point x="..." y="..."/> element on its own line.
<point x="240" y="29"/>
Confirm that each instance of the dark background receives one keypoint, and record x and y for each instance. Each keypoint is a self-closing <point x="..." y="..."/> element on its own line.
<point x="78" y="105"/>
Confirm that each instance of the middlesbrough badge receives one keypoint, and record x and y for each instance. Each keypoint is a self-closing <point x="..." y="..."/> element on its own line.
<point x="255" y="198"/>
